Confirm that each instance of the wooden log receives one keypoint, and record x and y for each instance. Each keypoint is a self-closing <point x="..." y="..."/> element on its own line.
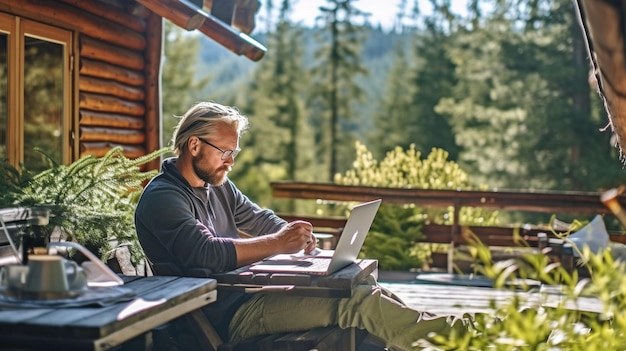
<point x="92" y="118"/>
<point x="180" y="14"/>
<point x="100" y="149"/>
<point x="233" y="40"/>
<point x="116" y="14"/>
<point x="153" y="87"/>
<point x="99" y="50"/>
<point x="110" y="87"/>
<point x="80" y="20"/>
<point x="103" y="103"/>
<point x="107" y="71"/>
<point x="114" y="135"/>
<point x="243" y="18"/>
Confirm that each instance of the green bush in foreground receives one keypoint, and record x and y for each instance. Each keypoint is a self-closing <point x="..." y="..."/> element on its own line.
<point x="550" y="324"/>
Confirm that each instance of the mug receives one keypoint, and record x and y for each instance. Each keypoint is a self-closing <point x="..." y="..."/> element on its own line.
<point x="13" y="276"/>
<point x="48" y="273"/>
<point x="76" y="276"/>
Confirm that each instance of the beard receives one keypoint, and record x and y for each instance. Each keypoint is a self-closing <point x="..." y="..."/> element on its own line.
<point x="215" y="177"/>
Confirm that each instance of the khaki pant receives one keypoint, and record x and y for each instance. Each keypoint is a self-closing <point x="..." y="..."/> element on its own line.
<point x="371" y="307"/>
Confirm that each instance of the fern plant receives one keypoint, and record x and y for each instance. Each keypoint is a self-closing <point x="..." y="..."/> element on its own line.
<point x="91" y="201"/>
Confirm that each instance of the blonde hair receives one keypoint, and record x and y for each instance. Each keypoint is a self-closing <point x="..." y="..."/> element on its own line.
<point x="201" y="119"/>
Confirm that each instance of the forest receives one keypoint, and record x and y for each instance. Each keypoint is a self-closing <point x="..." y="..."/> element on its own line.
<point x="504" y="89"/>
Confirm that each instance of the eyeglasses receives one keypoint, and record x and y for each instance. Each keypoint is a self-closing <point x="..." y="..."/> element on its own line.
<point x="225" y="153"/>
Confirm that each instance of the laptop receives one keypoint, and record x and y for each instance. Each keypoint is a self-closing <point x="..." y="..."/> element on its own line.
<point x="327" y="261"/>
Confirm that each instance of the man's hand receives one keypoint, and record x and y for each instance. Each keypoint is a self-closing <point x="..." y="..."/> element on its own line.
<point x="295" y="236"/>
<point x="292" y="238"/>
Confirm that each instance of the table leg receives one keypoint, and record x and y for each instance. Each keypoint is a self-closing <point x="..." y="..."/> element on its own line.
<point x="349" y="339"/>
<point x="205" y="330"/>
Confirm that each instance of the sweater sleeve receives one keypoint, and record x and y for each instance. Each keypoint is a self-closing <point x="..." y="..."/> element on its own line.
<point x="169" y="232"/>
<point x="250" y="217"/>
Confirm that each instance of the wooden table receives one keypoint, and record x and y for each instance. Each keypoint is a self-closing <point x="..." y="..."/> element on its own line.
<point x="338" y="284"/>
<point x="102" y="328"/>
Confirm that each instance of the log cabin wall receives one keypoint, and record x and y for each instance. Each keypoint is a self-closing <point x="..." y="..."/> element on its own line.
<point x="116" y="90"/>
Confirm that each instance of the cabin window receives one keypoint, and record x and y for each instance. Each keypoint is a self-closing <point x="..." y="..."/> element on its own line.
<point x="4" y="120"/>
<point x="35" y="109"/>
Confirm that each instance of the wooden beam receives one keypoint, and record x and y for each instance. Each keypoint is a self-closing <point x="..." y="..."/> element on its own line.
<point x="602" y="23"/>
<point x="111" y="13"/>
<point x="103" y="119"/>
<point x="189" y="16"/>
<point x="102" y="51"/>
<point x="186" y="16"/>
<point x="104" y="103"/>
<point x="100" y="149"/>
<point x="114" y="135"/>
<point x="532" y="201"/>
<point x="235" y="41"/>
<point x="110" y="87"/>
<point x="153" y="88"/>
<point x="243" y="18"/>
<point x="84" y="22"/>
<point x="108" y="71"/>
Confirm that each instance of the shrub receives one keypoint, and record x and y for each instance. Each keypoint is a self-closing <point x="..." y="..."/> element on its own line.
<point x="396" y="231"/>
<point x="91" y="201"/>
<point x="554" y="326"/>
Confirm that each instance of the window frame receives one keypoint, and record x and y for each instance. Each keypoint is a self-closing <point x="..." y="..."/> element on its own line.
<point x="16" y="29"/>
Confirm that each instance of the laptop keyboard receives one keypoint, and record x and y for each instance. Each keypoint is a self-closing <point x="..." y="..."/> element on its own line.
<point x="316" y="263"/>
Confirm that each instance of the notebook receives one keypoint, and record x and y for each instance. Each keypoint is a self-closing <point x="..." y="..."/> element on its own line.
<point x="327" y="261"/>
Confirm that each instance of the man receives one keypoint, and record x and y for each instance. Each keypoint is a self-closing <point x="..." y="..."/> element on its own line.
<point x="188" y="222"/>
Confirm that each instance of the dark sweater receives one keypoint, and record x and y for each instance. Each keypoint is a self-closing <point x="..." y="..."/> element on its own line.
<point x="189" y="231"/>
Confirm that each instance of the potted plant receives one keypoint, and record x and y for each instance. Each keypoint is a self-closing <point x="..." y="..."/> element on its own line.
<point x="90" y="201"/>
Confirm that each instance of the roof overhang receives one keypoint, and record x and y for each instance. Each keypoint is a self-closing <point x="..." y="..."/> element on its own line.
<point x="229" y="22"/>
<point x="602" y="22"/>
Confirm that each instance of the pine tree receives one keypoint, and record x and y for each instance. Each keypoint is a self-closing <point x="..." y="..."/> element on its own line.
<point x="334" y="91"/>
<point x="520" y="109"/>
<point x="279" y="142"/>
<point x="433" y="78"/>
<point x="396" y="105"/>
<point x="394" y="121"/>
<point x="417" y="82"/>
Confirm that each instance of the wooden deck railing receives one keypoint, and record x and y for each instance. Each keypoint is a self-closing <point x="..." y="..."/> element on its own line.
<point x="552" y="202"/>
<point x="532" y="201"/>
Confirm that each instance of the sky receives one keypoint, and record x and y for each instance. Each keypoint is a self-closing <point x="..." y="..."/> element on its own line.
<point x="382" y="11"/>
